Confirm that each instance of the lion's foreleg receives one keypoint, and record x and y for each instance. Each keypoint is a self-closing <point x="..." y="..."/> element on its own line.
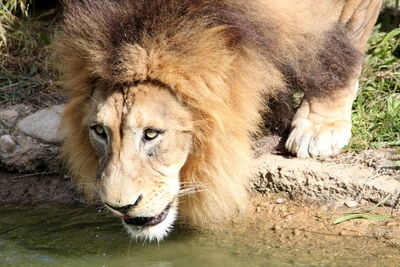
<point x="322" y="124"/>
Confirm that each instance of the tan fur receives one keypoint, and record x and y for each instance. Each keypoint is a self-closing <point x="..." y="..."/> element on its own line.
<point x="220" y="73"/>
<point x="322" y="125"/>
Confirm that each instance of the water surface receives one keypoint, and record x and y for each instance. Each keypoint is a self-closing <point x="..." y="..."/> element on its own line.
<point x="56" y="235"/>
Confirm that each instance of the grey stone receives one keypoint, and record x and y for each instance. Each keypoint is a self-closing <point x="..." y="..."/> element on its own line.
<point x="280" y="201"/>
<point x="43" y="124"/>
<point x="23" y="110"/>
<point x="351" y="204"/>
<point x="8" y="115"/>
<point x="7" y="143"/>
<point x="385" y="164"/>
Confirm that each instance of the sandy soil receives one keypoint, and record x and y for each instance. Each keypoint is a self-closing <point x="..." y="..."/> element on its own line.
<point x="303" y="225"/>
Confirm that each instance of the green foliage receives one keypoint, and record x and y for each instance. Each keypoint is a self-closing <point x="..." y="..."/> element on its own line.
<point x="376" y="111"/>
<point x="10" y="10"/>
<point x="365" y="213"/>
<point x="25" y="25"/>
<point x="361" y="216"/>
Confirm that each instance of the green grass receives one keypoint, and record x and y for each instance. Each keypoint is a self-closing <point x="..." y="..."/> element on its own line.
<point x="11" y="12"/>
<point x="376" y="111"/>
<point x="363" y="213"/>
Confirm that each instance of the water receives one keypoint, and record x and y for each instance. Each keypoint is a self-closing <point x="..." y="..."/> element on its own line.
<point x="65" y="236"/>
<point x="53" y="235"/>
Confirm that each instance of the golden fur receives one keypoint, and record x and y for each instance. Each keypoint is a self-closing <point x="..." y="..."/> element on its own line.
<point x="221" y="61"/>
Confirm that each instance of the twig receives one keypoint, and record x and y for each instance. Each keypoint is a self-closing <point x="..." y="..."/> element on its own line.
<point x="33" y="174"/>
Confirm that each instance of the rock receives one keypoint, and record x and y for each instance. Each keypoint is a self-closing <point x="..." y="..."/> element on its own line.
<point x="280" y="201"/>
<point x="7" y="144"/>
<point x="323" y="182"/>
<point x="43" y="124"/>
<point x="385" y="164"/>
<point x="8" y="115"/>
<point x="351" y="204"/>
<point x="29" y="156"/>
<point x="23" y="110"/>
<point x="266" y="145"/>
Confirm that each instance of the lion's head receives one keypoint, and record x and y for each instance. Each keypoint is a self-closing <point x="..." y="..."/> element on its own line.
<point x="165" y="96"/>
<point x="142" y="136"/>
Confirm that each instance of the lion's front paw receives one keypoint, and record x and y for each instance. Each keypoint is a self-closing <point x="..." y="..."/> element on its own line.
<point x="310" y="139"/>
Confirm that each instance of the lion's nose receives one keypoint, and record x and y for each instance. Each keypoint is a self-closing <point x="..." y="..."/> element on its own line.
<point x="125" y="209"/>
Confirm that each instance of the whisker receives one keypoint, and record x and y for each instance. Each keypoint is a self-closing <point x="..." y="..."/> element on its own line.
<point x="89" y="186"/>
<point x="180" y="194"/>
<point x="189" y="182"/>
<point x="94" y="101"/>
<point x="197" y="184"/>
<point x="193" y="188"/>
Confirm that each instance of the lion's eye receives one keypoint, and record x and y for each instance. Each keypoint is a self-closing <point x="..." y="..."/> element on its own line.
<point x="150" y="134"/>
<point x="99" y="130"/>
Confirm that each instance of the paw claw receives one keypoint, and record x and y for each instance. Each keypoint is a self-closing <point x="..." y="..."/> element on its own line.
<point x="318" y="139"/>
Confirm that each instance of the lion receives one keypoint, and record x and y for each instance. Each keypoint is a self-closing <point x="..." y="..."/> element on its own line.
<point x="166" y="96"/>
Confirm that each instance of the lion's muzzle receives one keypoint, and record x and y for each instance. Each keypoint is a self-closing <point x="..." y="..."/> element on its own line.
<point x="123" y="213"/>
<point x="148" y="221"/>
<point x="125" y="209"/>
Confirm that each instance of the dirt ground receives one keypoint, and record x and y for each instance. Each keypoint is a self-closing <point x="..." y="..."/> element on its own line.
<point x="381" y="158"/>
<point x="300" y="225"/>
<point x="36" y="188"/>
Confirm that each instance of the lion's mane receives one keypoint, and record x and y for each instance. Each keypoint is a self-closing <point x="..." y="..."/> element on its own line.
<point x="221" y="59"/>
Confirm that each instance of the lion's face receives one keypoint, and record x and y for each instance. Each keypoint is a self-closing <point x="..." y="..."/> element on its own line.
<point x="142" y="137"/>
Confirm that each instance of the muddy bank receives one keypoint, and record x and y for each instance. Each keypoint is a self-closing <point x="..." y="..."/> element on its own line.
<point x="328" y="182"/>
<point x="270" y="234"/>
<point x="351" y="177"/>
<point x="33" y="172"/>
<point x="37" y="188"/>
<point x="303" y="224"/>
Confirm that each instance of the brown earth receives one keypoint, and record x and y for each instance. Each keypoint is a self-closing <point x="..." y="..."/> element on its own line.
<point x="362" y="177"/>
<point x="305" y="229"/>
<point x="37" y="188"/>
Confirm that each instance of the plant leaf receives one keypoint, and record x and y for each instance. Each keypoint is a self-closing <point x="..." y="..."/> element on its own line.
<point x="361" y="216"/>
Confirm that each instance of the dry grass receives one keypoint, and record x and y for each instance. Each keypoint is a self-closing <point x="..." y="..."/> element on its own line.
<point x="26" y="74"/>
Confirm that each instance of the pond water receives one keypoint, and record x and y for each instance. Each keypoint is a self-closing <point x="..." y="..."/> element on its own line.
<point x="55" y="235"/>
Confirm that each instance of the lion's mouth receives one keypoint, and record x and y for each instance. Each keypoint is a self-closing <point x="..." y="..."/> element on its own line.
<point x="148" y="221"/>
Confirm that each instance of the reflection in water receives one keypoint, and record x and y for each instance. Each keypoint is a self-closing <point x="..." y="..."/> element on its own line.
<point x="64" y="236"/>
